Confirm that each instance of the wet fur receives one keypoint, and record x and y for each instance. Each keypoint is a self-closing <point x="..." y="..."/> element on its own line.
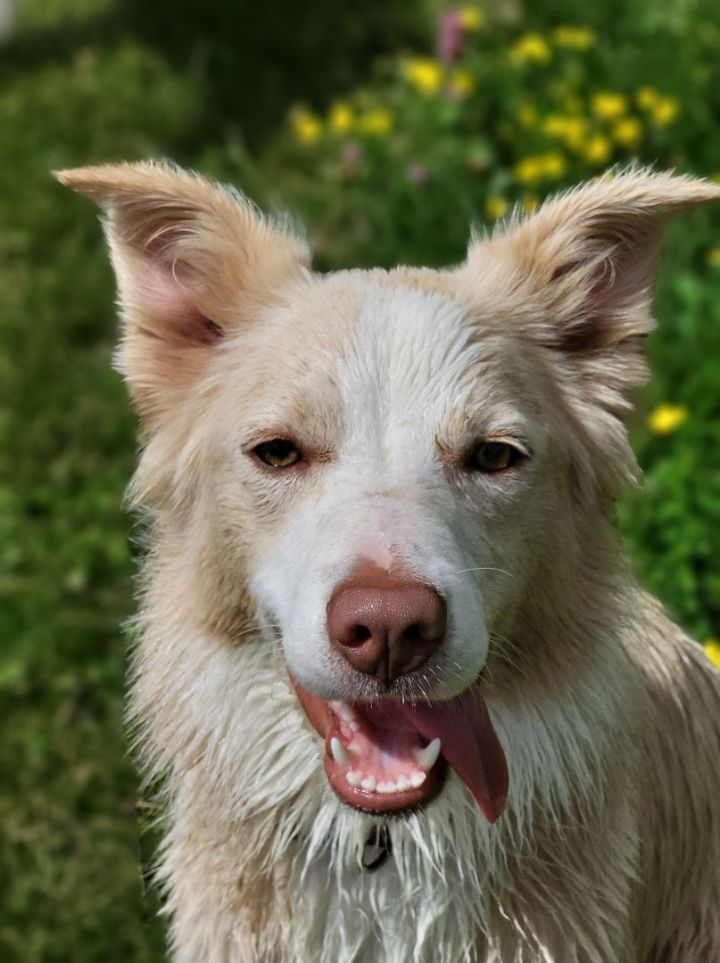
<point x="609" y="850"/>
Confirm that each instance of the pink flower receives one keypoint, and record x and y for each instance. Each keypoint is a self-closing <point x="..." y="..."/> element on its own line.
<point x="451" y="34"/>
<point x="417" y="174"/>
<point x="350" y="156"/>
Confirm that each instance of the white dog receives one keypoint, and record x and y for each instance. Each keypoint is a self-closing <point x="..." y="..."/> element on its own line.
<point x="408" y="702"/>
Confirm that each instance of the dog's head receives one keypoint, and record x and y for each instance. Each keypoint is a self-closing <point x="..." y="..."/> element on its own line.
<point x="402" y="476"/>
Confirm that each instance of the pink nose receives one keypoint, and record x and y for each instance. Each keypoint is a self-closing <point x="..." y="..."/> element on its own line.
<point x="385" y="625"/>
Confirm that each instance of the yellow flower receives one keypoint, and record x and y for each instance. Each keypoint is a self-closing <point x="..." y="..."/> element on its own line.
<point x="529" y="203"/>
<point x="471" y="18"/>
<point x="378" y="122"/>
<point x="647" y="97"/>
<point x="306" y="126"/>
<point x="712" y="651"/>
<point x="425" y="74"/>
<point x="665" y="111"/>
<point x="662" y="110"/>
<point x="597" y="150"/>
<point x="529" y="170"/>
<point x="527" y="114"/>
<point x="609" y="106"/>
<point x="571" y="130"/>
<point x="628" y="132"/>
<point x="713" y="257"/>
<point x="462" y="83"/>
<point x="340" y="118"/>
<point x="554" y="165"/>
<point x="666" y="418"/>
<point x="555" y="125"/>
<point x="496" y="207"/>
<point x="530" y="48"/>
<point x="574" y="38"/>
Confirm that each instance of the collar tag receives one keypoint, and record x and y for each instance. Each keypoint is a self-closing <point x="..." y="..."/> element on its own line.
<point x="377" y="849"/>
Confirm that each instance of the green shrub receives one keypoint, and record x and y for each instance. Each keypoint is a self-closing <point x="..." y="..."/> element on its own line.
<point x="67" y="790"/>
<point x="399" y="168"/>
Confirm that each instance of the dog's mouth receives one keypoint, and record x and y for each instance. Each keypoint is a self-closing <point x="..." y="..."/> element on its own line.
<point x="387" y="756"/>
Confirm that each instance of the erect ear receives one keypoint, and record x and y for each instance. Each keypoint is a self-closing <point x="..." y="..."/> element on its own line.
<point x="192" y="259"/>
<point x="583" y="267"/>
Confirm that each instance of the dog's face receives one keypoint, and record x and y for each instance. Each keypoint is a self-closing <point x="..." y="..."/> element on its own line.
<point x="388" y="470"/>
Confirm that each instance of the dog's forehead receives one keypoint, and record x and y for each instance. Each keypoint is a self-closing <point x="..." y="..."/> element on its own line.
<point x="411" y="351"/>
<point x="369" y="349"/>
<point x="407" y="340"/>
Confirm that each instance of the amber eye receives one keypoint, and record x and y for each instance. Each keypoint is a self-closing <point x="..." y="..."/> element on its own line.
<point x="490" y="456"/>
<point x="278" y="453"/>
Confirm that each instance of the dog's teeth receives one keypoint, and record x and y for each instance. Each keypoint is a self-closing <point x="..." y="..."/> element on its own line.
<point x="353" y="778"/>
<point x="403" y="784"/>
<point x="387" y="787"/>
<point x="344" y="711"/>
<point x="339" y="752"/>
<point x="428" y="756"/>
<point x="354" y="726"/>
<point x="368" y="783"/>
<point x="417" y="779"/>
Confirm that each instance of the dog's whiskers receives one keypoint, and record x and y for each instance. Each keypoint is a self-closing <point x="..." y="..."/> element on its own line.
<point x="505" y="651"/>
<point x="480" y="568"/>
<point x="256" y="627"/>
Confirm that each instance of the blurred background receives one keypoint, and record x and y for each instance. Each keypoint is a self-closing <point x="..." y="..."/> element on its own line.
<point x="388" y="127"/>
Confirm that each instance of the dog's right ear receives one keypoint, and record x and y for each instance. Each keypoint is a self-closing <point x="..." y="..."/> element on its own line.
<point x="193" y="261"/>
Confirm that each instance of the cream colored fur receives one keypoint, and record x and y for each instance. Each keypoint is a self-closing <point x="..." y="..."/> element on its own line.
<point x="609" y="850"/>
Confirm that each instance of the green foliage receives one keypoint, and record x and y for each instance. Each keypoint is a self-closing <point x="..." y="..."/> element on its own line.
<point x="92" y="80"/>
<point x="67" y="796"/>
<point x="672" y="525"/>
<point x="398" y="168"/>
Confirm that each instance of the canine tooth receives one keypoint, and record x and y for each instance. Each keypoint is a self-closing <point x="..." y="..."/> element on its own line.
<point x="417" y="779"/>
<point x="368" y="783"/>
<point x="345" y="712"/>
<point x="354" y="726"/>
<point x="403" y="784"/>
<point x="428" y="756"/>
<point x="353" y="778"/>
<point x="339" y="752"/>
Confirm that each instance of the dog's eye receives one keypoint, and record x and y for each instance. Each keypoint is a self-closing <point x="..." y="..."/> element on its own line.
<point x="278" y="453"/>
<point x="491" y="456"/>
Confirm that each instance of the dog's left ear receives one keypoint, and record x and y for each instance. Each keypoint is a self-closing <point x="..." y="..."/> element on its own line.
<point x="584" y="265"/>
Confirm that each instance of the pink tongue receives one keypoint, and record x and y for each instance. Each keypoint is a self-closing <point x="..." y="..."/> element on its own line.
<point x="469" y="745"/>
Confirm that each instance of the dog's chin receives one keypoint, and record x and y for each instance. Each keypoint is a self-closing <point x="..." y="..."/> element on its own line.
<point x="389" y="756"/>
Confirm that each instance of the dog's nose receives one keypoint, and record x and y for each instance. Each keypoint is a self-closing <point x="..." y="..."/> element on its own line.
<point x="385" y="625"/>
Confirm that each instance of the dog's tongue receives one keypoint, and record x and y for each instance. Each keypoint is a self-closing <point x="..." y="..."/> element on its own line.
<point x="469" y="744"/>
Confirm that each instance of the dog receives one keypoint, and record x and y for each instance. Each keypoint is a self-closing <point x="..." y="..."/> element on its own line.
<point x="405" y="698"/>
